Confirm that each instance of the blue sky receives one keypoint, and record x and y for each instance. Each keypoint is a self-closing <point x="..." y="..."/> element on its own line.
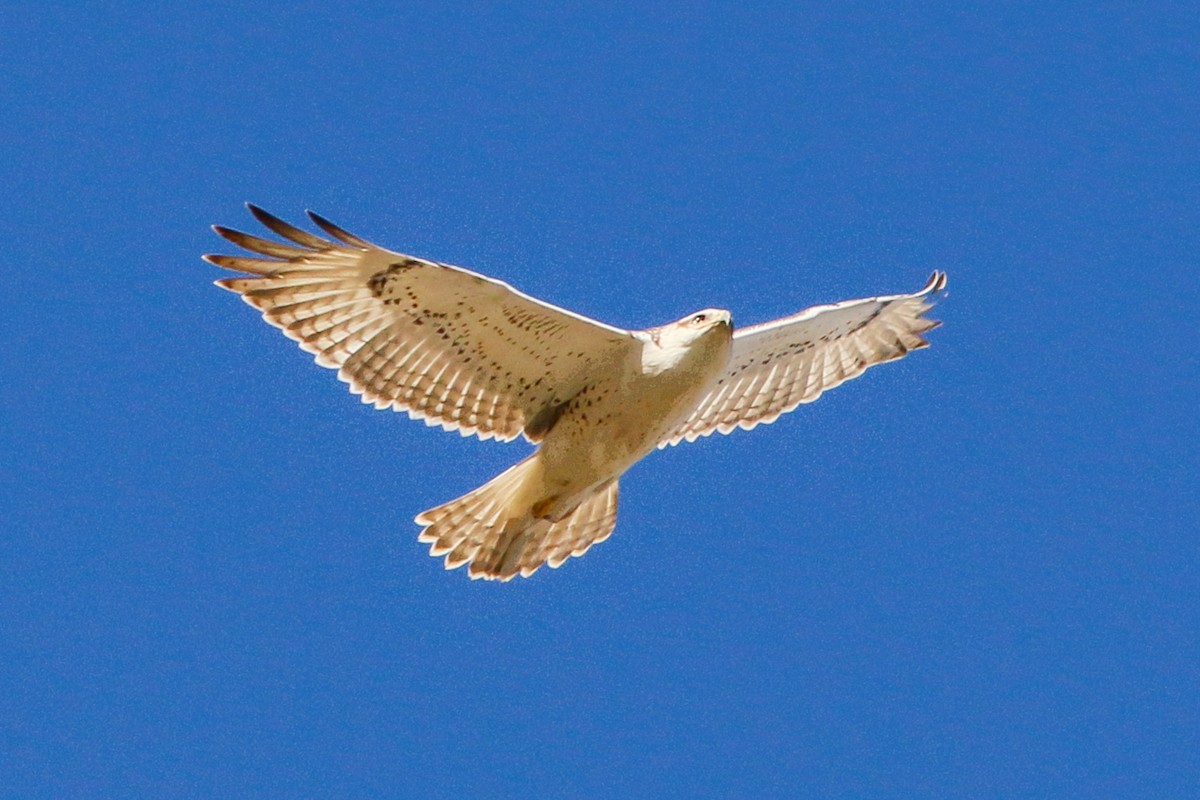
<point x="972" y="573"/>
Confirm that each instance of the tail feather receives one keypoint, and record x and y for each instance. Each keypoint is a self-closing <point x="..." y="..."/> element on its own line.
<point x="493" y="530"/>
<point x="592" y="522"/>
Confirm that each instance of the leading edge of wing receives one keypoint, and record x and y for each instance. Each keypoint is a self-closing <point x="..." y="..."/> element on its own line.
<point x="936" y="283"/>
<point x="302" y="244"/>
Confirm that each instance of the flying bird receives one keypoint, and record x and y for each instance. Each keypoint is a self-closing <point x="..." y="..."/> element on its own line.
<point x="472" y="354"/>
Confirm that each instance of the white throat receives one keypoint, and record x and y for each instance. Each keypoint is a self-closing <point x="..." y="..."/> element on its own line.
<point x="659" y="358"/>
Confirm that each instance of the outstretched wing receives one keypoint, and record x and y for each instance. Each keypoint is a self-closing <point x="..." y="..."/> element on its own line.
<point x="778" y="365"/>
<point x="447" y="345"/>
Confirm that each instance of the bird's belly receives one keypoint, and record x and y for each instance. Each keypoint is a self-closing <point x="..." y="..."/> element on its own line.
<point x="599" y="442"/>
<point x="586" y="453"/>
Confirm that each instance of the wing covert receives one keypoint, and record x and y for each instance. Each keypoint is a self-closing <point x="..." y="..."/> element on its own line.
<point x="447" y="345"/>
<point x="776" y="366"/>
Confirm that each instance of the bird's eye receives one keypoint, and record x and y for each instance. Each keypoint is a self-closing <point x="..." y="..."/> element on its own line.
<point x="699" y="318"/>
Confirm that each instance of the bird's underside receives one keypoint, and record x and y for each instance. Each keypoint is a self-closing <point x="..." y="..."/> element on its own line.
<point x="472" y="354"/>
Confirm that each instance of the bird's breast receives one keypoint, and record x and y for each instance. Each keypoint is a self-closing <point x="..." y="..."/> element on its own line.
<point x="623" y="417"/>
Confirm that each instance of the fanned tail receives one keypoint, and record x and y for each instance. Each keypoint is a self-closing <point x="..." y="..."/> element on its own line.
<point x="494" y="531"/>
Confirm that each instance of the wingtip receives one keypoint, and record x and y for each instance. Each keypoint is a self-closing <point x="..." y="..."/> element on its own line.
<point x="319" y="221"/>
<point x="228" y="234"/>
<point x="334" y="230"/>
<point x="935" y="283"/>
<point x="287" y="230"/>
<point x="274" y="223"/>
<point x="262" y="215"/>
<point x="260" y="268"/>
<point x="223" y="261"/>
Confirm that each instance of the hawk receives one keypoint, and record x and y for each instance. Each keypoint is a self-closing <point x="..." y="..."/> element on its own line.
<point x="472" y="354"/>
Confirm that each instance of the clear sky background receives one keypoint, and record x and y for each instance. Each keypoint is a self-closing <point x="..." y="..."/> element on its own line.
<point x="973" y="573"/>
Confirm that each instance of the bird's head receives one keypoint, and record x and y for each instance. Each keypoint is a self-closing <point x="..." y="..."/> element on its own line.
<point x="698" y="335"/>
<point x="685" y="331"/>
<point x="708" y="318"/>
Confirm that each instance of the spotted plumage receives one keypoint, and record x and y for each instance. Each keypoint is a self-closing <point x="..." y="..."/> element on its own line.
<point x="472" y="354"/>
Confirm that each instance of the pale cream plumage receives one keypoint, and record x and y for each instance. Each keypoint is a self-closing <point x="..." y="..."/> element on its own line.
<point x="472" y="354"/>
